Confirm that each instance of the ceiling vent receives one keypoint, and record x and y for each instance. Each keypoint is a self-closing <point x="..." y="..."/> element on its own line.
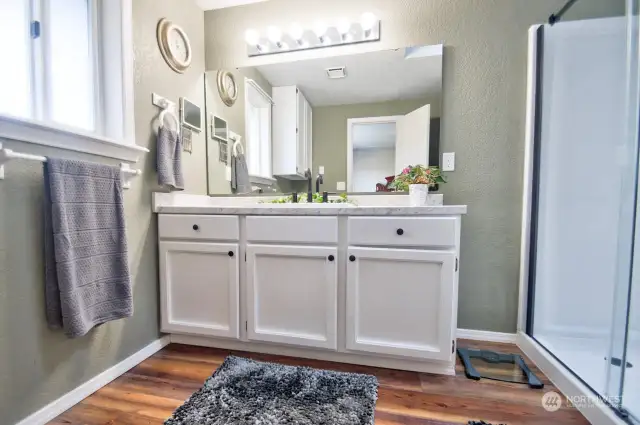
<point x="337" y="72"/>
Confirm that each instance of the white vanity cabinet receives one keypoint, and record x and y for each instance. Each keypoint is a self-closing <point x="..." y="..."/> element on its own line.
<point x="292" y="280"/>
<point x="199" y="276"/>
<point x="373" y="290"/>
<point x="292" y="135"/>
<point x="292" y="295"/>
<point x="401" y="286"/>
<point x="399" y="302"/>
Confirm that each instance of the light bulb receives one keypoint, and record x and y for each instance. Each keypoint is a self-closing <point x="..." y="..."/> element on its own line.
<point x="320" y="28"/>
<point x="252" y="37"/>
<point x="343" y="26"/>
<point x="274" y="34"/>
<point x="296" y="32"/>
<point x="368" y="20"/>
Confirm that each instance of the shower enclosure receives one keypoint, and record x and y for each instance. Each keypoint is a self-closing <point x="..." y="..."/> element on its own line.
<point x="584" y="234"/>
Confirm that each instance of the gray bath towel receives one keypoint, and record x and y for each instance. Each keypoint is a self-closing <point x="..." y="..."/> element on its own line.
<point x="240" y="174"/>
<point x="169" y="162"/>
<point x="87" y="280"/>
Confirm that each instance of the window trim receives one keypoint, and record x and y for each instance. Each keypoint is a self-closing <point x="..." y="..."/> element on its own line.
<point x="71" y="139"/>
<point x="49" y="134"/>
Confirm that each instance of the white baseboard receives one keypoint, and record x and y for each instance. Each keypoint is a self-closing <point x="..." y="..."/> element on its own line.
<point x="567" y="383"/>
<point x="486" y="336"/>
<point x="78" y="394"/>
<point x="435" y="367"/>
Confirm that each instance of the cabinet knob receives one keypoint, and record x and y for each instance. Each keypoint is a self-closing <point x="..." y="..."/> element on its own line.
<point x="352" y="258"/>
<point x="230" y="253"/>
<point x="400" y="232"/>
<point x="331" y="258"/>
<point x="196" y="227"/>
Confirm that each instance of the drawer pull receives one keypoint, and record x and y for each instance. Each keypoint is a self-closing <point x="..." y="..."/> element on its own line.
<point x="400" y="232"/>
<point x="196" y="227"/>
<point x="230" y="253"/>
<point x="331" y="258"/>
<point x="352" y="258"/>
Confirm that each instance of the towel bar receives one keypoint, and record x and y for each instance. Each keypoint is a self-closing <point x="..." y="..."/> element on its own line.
<point x="7" y="155"/>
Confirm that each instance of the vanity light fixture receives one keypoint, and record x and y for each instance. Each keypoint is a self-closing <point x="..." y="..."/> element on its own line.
<point x="368" y="22"/>
<point x="320" y="28"/>
<point x="297" y="33"/>
<point x="252" y="37"/>
<point x="340" y="31"/>
<point x="344" y="28"/>
<point x="275" y="36"/>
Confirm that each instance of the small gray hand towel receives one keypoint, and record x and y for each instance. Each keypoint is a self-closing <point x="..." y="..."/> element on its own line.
<point x="87" y="279"/>
<point x="169" y="162"/>
<point x="240" y="174"/>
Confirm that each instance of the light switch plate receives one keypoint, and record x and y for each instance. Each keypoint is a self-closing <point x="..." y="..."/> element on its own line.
<point x="341" y="186"/>
<point x="227" y="173"/>
<point x="448" y="161"/>
<point x="321" y="170"/>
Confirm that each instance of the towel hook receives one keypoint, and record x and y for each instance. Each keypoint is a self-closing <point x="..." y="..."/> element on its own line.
<point x="237" y="145"/>
<point x="168" y="109"/>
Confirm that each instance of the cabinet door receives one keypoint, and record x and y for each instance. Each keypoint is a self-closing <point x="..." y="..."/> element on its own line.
<point x="292" y="295"/>
<point x="401" y="302"/>
<point x="301" y="133"/>
<point x="199" y="288"/>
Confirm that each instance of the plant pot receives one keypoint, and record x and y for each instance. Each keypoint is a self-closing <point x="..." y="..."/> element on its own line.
<point x="418" y="195"/>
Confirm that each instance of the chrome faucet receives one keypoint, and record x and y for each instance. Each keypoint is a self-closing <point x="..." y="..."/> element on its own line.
<point x="319" y="181"/>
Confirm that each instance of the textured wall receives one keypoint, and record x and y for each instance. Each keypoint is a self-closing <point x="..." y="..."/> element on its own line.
<point x="37" y="365"/>
<point x="330" y="133"/>
<point x="482" y="119"/>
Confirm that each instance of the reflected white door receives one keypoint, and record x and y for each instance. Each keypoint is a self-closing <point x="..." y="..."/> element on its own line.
<point x="412" y="138"/>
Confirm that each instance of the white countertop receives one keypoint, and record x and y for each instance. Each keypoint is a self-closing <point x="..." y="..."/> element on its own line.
<point x="197" y="204"/>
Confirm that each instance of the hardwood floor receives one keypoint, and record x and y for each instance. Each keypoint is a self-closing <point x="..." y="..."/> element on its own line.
<point x="149" y="392"/>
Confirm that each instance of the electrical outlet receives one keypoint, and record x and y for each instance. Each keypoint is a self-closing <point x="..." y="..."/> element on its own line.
<point x="227" y="173"/>
<point x="341" y="186"/>
<point x="448" y="161"/>
<point x="321" y="170"/>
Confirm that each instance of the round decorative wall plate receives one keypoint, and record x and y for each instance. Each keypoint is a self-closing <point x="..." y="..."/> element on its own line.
<point x="227" y="87"/>
<point x="174" y="45"/>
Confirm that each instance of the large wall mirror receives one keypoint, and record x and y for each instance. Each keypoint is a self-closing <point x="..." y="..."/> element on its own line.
<point x="357" y="119"/>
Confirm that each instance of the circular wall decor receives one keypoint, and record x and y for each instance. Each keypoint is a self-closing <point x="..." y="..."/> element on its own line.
<point x="174" y="45"/>
<point x="227" y="87"/>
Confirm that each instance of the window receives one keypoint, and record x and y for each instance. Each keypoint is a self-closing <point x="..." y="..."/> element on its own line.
<point x="258" y="130"/>
<point x="58" y="77"/>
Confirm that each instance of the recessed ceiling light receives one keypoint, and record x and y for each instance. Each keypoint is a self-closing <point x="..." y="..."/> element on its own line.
<point x="337" y="72"/>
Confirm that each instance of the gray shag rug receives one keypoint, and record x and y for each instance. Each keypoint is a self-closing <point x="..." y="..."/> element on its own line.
<point x="243" y="392"/>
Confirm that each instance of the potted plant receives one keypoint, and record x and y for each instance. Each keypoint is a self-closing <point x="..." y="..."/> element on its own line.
<point x="416" y="179"/>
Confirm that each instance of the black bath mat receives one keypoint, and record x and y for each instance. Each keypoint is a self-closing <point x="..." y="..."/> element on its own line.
<point x="243" y="392"/>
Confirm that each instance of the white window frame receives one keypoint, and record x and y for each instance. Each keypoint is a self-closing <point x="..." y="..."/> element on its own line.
<point x="265" y="172"/>
<point x="111" y="24"/>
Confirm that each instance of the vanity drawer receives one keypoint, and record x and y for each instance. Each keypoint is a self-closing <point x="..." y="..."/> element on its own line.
<point x="183" y="226"/>
<point x="403" y="231"/>
<point x="292" y="229"/>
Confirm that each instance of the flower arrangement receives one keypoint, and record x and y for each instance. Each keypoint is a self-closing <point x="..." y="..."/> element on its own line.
<point x="417" y="174"/>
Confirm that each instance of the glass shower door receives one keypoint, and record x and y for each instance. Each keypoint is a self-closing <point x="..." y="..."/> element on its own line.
<point x="584" y="295"/>
<point x="580" y="179"/>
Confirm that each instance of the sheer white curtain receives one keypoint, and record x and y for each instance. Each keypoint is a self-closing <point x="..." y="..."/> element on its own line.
<point x="258" y="130"/>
